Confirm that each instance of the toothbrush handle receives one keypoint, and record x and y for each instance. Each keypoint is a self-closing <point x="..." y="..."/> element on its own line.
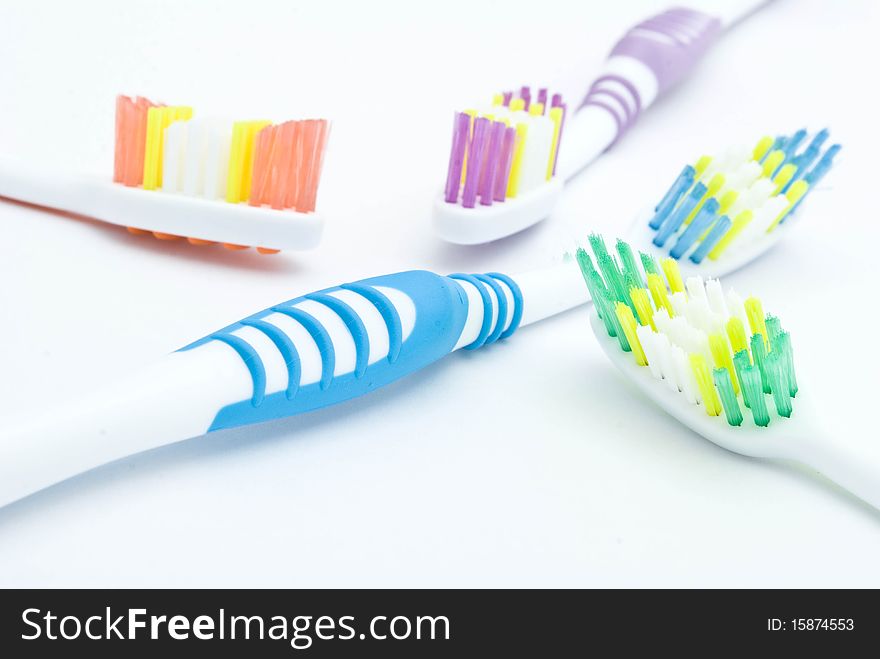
<point x="303" y="354"/>
<point x="856" y="468"/>
<point x="650" y="59"/>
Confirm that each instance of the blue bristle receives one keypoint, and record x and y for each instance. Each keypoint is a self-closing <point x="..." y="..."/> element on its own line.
<point x="675" y="220"/>
<point x="792" y="143"/>
<point x="670" y="199"/>
<point x="805" y="160"/>
<point x="717" y="232"/>
<point x="815" y="175"/>
<point x="695" y="229"/>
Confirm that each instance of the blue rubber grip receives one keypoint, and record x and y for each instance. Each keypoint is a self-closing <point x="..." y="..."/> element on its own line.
<point x="441" y="312"/>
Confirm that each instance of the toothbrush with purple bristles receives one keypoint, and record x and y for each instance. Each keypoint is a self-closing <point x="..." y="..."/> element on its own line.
<point x="508" y="162"/>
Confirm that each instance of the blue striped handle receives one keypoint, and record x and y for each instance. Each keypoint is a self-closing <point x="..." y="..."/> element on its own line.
<point x="441" y="310"/>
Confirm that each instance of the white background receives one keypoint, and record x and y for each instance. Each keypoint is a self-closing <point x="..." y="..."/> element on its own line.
<point x="528" y="464"/>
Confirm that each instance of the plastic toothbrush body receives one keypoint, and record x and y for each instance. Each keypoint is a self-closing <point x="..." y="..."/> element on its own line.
<point x="301" y="355"/>
<point x="648" y="61"/>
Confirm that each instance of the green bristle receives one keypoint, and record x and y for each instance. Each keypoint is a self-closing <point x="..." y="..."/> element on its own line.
<point x="607" y="303"/>
<point x="596" y="287"/>
<point x="778" y="383"/>
<point x="752" y="390"/>
<point x="782" y="345"/>
<point x="773" y="326"/>
<point x="759" y="354"/>
<point x="649" y="264"/>
<point x="610" y="270"/>
<point x="630" y="267"/>
<point x="740" y="361"/>
<point x="728" y="396"/>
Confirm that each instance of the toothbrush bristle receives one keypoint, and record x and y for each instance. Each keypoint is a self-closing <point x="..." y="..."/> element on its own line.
<point x="724" y="202"/>
<point x="507" y="150"/>
<point x="255" y="162"/>
<point x="692" y="335"/>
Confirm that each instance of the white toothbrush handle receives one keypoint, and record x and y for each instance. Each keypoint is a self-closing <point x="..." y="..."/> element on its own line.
<point x="651" y="58"/>
<point x="855" y="467"/>
<point x="173" y="399"/>
<point x="303" y="354"/>
<point x="171" y="214"/>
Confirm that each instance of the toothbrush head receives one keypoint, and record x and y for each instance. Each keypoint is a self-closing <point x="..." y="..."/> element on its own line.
<point x="501" y="176"/>
<point x="714" y="361"/>
<point x="236" y="183"/>
<point x="725" y="211"/>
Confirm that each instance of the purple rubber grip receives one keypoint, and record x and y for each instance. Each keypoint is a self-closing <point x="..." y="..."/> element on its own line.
<point x="670" y="44"/>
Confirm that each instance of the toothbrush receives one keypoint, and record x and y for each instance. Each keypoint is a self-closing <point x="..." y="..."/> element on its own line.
<point x="301" y="355"/>
<point x="240" y="184"/>
<point x="719" y="365"/>
<point x="724" y="211"/>
<point x="527" y="147"/>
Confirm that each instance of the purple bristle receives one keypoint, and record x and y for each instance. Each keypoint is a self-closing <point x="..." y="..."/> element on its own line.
<point x="526" y="95"/>
<point x="542" y="99"/>
<point x="507" y="96"/>
<point x="476" y="157"/>
<point x="460" y="128"/>
<point x="557" y="101"/>
<point x="505" y="158"/>
<point x="493" y="156"/>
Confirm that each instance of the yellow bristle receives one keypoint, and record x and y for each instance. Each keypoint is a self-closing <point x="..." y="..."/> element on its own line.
<point x="158" y="119"/>
<point x="762" y="147"/>
<point x="673" y="274"/>
<point x="711" y="401"/>
<point x="642" y="303"/>
<point x="517" y="105"/>
<point x="739" y="223"/>
<point x="241" y="157"/>
<point x="727" y="200"/>
<point x="498" y="99"/>
<point x="755" y="314"/>
<point x="701" y="165"/>
<point x="773" y="161"/>
<point x="516" y="164"/>
<point x="736" y="332"/>
<point x="628" y="323"/>
<point x="721" y="355"/>
<point x="715" y="184"/>
<point x="236" y="159"/>
<point x="555" y="115"/>
<point x="658" y="291"/>
<point x="536" y="109"/>
<point x="783" y="176"/>
<point x="795" y="193"/>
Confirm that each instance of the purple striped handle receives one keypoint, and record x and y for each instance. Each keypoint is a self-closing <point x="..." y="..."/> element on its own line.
<point x="669" y="44"/>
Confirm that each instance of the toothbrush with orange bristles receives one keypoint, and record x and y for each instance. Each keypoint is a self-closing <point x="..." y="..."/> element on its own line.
<point x="176" y="175"/>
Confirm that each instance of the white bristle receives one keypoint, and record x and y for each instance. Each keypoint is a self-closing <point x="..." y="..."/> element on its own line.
<point x="695" y="288"/>
<point x="216" y="163"/>
<point x="737" y="307"/>
<point x="678" y="301"/>
<point x="686" y="382"/>
<point x="536" y="153"/>
<point x="647" y="339"/>
<point x="174" y="150"/>
<point x="716" y="298"/>
<point x="194" y="167"/>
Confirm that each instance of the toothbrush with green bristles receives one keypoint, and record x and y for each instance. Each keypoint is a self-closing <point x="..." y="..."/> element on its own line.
<point x="717" y="363"/>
